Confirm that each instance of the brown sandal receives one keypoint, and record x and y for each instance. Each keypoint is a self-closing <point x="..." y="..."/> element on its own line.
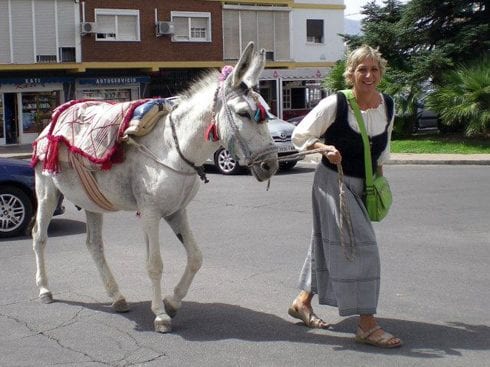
<point x="382" y="341"/>
<point x="309" y="318"/>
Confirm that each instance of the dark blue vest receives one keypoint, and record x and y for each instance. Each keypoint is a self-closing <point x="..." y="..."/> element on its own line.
<point x="349" y="142"/>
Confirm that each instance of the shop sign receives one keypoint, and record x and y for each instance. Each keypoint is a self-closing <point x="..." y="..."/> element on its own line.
<point x="123" y="80"/>
<point x="23" y="83"/>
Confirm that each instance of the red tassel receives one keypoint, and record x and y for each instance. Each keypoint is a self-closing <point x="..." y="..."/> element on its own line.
<point x="211" y="133"/>
<point x="263" y="112"/>
<point x="51" y="163"/>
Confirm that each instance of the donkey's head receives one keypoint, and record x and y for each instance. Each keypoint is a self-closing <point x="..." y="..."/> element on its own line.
<point x="242" y="119"/>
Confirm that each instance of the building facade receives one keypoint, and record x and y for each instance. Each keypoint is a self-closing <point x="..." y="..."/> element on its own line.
<point x="124" y="50"/>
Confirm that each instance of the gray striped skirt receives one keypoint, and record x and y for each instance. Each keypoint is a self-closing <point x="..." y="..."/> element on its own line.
<point x="351" y="284"/>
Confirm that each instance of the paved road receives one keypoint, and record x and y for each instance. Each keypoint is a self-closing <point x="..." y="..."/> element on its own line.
<point x="24" y="151"/>
<point x="435" y="255"/>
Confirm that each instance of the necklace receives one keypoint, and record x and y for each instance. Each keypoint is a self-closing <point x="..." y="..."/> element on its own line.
<point x="366" y="102"/>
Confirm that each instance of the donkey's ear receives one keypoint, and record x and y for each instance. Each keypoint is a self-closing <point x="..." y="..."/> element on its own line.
<point x="244" y="64"/>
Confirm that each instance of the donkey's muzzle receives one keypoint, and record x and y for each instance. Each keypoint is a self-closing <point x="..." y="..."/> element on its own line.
<point x="265" y="166"/>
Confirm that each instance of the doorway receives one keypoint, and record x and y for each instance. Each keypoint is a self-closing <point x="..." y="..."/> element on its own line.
<point x="11" y="117"/>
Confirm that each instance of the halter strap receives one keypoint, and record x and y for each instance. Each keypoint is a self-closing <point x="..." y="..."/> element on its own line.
<point x="198" y="169"/>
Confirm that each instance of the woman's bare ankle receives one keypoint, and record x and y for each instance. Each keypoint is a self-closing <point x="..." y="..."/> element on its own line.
<point x="367" y="322"/>
<point x="303" y="299"/>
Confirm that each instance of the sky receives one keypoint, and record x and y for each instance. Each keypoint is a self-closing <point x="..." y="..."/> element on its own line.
<point x="353" y="7"/>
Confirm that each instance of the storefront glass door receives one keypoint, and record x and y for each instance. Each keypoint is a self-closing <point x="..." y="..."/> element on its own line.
<point x="10" y="114"/>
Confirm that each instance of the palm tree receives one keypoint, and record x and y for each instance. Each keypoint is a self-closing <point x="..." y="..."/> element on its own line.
<point x="464" y="98"/>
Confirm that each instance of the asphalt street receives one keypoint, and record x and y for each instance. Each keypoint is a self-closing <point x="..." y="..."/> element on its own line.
<point x="435" y="251"/>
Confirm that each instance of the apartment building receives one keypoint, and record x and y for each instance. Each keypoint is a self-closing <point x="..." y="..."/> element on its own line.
<point x="301" y="42"/>
<point x="125" y="49"/>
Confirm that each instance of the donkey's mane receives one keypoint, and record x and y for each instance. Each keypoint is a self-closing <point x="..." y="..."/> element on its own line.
<point x="206" y="80"/>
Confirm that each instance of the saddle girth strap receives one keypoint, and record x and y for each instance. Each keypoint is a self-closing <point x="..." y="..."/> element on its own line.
<point x="89" y="184"/>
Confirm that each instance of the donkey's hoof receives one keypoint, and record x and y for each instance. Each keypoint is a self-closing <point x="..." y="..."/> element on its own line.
<point x="46" y="298"/>
<point x="169" y="308"/>
<point x="163" y="326"/>
<point x="120" y="305"/>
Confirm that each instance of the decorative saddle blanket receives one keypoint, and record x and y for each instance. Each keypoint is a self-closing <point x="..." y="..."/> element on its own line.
<point x="94" y="131"/>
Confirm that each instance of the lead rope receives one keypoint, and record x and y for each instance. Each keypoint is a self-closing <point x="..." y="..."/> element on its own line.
<point x="344" y="218"/>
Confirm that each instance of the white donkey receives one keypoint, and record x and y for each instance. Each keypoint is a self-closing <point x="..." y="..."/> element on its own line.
<point x="158" y="177"/>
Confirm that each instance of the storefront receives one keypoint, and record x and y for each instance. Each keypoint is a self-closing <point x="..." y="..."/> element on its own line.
<point x="299" y="90"/>
<point x="26" y="105"/>
<point x="113" y="88"/>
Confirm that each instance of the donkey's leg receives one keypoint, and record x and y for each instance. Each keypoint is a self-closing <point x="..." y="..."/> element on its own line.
<point x="180" y="226"/>
<point x="95" y="246"/>
<point x="47" y="196"/>
<point x="154" y="266"/>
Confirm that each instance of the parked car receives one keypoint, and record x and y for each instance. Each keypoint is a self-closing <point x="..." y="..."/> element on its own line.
<point x="296" y="120"/>
<point x="426" y="120"/>
<point x="17" y="197"/>
<point x="281" y="134"/>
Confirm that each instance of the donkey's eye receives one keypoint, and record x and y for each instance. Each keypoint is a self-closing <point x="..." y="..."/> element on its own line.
<point x="245" y="114"/>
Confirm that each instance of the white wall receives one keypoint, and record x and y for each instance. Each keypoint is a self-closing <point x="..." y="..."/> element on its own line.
<point x="333" y="48"/>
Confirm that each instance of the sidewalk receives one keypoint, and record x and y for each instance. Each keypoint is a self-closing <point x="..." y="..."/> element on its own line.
<point x="411" y="158"/>
<point x="24" y="152"/>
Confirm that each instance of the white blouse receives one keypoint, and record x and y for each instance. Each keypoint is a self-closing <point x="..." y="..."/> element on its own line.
<point x="318" y="120"/>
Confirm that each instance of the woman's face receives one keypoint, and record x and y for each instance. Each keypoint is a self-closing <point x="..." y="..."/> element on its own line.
<point x="367" y="75"/>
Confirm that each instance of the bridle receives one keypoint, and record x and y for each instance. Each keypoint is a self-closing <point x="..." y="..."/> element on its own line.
<point x="236" y="137"/>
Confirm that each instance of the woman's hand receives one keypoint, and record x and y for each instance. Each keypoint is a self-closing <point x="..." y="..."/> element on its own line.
<point x="329" y="151"/>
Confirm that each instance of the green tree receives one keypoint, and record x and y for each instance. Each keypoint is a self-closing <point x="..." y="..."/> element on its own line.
<point x="422" y="40"/>
<point x="334" y="81"/>
<point x="436" y="35"/>
<point x="464" y="98"/>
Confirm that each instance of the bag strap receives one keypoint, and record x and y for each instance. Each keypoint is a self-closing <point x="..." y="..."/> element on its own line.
<point x="367" y="151"/>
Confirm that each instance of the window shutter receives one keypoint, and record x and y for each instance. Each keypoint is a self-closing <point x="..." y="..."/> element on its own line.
<point x="22" y="31"/>
<point x="231" y="43"/>
<point x="106" y="24"/>
<point x="248" y="22"/>
<point x="44" y="13"/>
<point x="66" y="18"/>
<point x="4" y="33"/>
<point x="127" y="28"/>
<point x="265" y="20"/>
<point x="281" y="21"/>
<point x="181" y="27"/>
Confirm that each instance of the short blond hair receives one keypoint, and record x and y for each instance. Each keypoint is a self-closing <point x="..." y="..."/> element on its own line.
<point x="357" y="56"/>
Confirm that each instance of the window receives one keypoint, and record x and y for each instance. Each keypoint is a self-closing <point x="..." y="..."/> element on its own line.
<point x="117" y="25"/>
<point x="67" y="54"/>
<point x="45" y="59"/>
<point x="191" y="26"/>
<point x="286" y="99"/>
<point x="314" y="30"/>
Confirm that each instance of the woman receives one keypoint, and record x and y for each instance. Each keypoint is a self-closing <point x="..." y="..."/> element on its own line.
<point x="350" y="283"/>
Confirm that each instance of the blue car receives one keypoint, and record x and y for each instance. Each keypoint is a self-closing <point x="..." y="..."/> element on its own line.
<point x="17" y="197"/>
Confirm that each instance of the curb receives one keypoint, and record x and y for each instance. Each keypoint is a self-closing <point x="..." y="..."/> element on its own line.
<point x="423" y="159"/>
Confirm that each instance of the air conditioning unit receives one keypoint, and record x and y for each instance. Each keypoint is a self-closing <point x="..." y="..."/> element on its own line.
<point x="165" y="28"/>
<point x="87" y="27"/>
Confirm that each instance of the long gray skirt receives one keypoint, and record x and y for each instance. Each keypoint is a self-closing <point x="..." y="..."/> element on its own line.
<point x="351" y="284"/>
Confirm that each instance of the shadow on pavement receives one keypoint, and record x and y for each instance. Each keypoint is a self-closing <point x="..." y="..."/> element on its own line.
<point x="219" y="321"/>
<point x="57" y="228"/>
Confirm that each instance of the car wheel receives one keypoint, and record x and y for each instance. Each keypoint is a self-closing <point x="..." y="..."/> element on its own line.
<point x="16" y="211"/>
<point x="225" y="162"/>
<point x="287" y="166"/>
